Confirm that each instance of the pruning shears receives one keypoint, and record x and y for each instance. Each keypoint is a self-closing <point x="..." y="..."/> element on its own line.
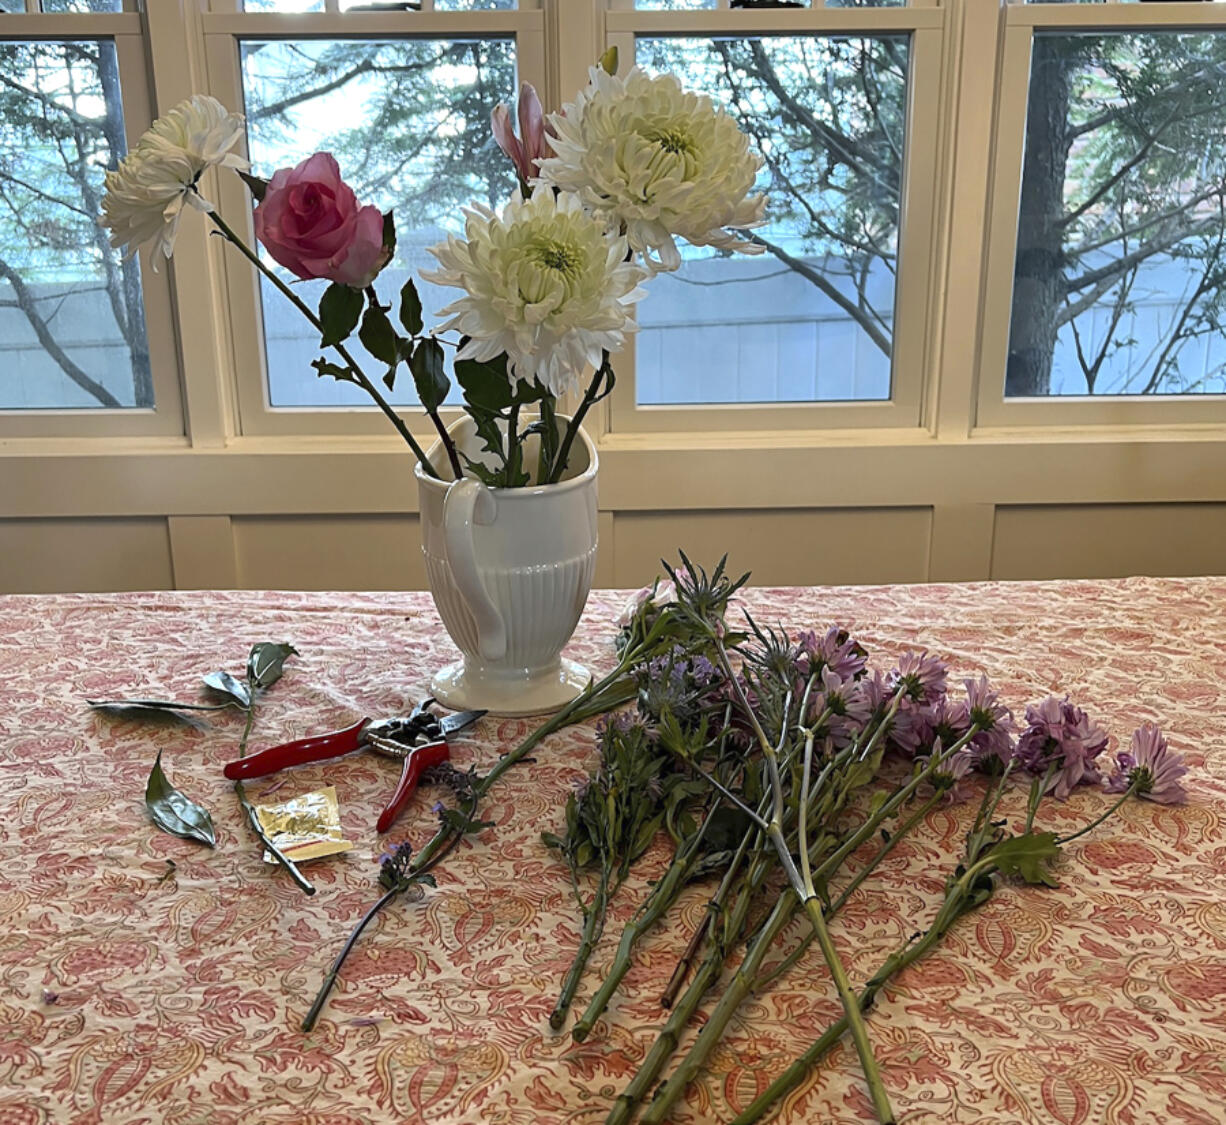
<point x="418" y="739"/>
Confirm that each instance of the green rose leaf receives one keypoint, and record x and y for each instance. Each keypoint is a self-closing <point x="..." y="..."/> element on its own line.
<point x="175" y="813"/>
<point x="428" y="374"/>
<point x="389" y="235"/>
<point x="228" y="685"/>
<point x="266" y="662"/>
<point x="1028" y="856"/>
<point x="485" y="383"/>
<point x="340" y="308"/>
<point x="378" y="336"/>
<point x="410" y="308"/>
<point x="333" y="371"/>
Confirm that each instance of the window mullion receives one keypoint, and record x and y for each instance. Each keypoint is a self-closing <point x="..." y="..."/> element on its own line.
<point x="177" y="68"/>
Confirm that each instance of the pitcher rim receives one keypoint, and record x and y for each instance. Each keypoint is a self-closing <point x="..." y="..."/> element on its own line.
<point x="529" y="491"/>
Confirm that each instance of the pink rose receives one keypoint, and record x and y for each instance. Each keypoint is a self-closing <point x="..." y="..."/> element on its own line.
<point x="311" y="223"/>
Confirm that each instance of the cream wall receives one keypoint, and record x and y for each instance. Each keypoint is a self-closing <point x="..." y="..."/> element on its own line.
<point x="965" y="488"/>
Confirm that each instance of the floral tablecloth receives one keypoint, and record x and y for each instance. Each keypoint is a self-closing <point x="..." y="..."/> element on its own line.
<point x="131" y="991"/>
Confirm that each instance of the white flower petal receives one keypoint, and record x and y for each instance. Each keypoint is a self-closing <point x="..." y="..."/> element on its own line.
<point x="546" y="282"/>
<point x="657" y="162"/>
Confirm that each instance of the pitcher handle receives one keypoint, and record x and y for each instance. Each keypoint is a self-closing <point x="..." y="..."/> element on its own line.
<point x="469" y="502"/>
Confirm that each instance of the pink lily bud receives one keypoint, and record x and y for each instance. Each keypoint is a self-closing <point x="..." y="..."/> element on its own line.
<point x="531" y="144"/>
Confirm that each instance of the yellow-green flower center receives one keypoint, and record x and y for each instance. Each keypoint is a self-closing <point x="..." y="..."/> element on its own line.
<point x="561" y="257"/>
<point x="672" y="139"/>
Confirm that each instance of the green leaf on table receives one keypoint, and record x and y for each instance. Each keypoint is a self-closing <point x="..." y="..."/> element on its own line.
<point x="153" y="705"/>
<point x="340" y="308"/>
<point x="324" y="367"/>
<point x="174" y="812"/>
<point x="428" y="374"/>
<point x="226" y="684"/>
<point x="378" y="336"/>
<point x="410" y="308"/>
<point x="267" y="661"/>
<point x="1028" y="856"/>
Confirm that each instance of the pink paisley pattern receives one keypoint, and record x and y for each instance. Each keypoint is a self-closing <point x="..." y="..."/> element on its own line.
<point x="130" y="994"/>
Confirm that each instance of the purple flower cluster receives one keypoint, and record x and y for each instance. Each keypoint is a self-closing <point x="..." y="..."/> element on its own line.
<point x="1150" y="768"/>
<point x="835" y="650"/>
<point x="849" y="707"/>
<point x="1060" y="738"/>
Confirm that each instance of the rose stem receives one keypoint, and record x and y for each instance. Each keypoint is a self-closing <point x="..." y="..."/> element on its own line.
<point x="305" y="309"/>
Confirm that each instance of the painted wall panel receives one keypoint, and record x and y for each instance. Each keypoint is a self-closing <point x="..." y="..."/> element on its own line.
<point x="1109" y="540"/>
<point x="42" y="556"/>
<point x="793" y="547"/>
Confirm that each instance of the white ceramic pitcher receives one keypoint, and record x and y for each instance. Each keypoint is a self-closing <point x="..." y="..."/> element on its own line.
<point x="510" y="570"/>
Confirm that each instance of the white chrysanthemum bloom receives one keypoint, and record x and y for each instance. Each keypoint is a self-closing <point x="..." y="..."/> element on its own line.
<point x="546" y="282"/>
<point x="658" y="161"/>
<point x="145" y="194"/>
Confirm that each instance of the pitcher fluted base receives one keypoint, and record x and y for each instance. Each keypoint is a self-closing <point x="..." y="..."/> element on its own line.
<point x="463" y="686"/>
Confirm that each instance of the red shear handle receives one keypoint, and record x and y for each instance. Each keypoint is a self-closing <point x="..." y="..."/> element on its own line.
<point x="316" y="749"/>
<point x="416" y="762"/>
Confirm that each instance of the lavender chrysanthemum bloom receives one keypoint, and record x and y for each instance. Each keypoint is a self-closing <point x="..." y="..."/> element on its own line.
<point x="950" y="772"/>
<point x="875" y="694"/>
<point x="993" y="744"/>
<point x="912" y="731"/>
<point x="921" y="676"/>
<point x="834" y="650"/>
<point x="849" y="709"/>
<point x="1150" y="768"/>
<point x="1061" y="735"/>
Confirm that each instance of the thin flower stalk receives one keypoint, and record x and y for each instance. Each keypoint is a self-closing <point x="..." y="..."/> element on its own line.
<point x="653" y="908"/>
<point x="812" y="907"/>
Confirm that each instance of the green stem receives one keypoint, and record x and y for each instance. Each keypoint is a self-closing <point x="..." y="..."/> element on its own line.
<point x="663" y="895"/>
<point x="321" y="997"/>
<point x="253" y="817"/>
<point x="341" y="350"/>
<point x="742" y="983"/>
<point x="596" y="698"/>
<point x="1099" y="819"/>
<point x="957" y="903"/>
<point x="514" y="454"/>
<point x="590" y="396"/>
<point x="593" y="924"/>
<point x="549" y="439"/>
<point x="668" y="1040"/>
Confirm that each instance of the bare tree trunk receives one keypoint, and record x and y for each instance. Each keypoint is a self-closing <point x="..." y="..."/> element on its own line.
<point x="132" y="321"/>
<point x="25" y="302"/>
<point x="1038" y="279"/>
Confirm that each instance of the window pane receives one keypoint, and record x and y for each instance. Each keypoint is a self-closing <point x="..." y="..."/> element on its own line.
<point x="408" y="121"/>
<point x="474" y="5"/>
<point x="1118" y="282"/>
<point x="283" y="5"/>
<point x="72" y="321"/>
<point x="82" y="5"/>
<point x="812" y="318"/>
<point x="675" y="5"/>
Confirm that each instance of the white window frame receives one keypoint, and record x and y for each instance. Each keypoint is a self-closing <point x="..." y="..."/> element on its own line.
<point x="165" y="418"/>
<point x="924" y="22"/>
<point x="994" y="411"/>
<point x="223" y="28"/>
